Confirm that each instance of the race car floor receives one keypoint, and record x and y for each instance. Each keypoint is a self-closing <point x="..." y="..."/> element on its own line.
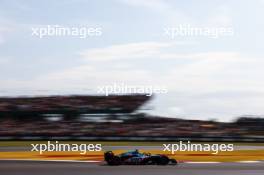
<point x="10" y="167"/>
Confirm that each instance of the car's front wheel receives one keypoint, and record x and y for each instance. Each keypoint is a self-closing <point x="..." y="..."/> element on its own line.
<point x="163" y="161"/>
<point x="173" y="162"/>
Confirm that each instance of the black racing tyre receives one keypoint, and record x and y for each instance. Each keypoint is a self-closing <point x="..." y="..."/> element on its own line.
<point x="163" y="161"/>
<point x="114" y="161"/>
<point x="173" y="162"/>
<point x="108" y="156"/>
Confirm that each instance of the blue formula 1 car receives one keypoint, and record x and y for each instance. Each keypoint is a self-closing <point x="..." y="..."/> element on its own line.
<point x="137" y="158"/>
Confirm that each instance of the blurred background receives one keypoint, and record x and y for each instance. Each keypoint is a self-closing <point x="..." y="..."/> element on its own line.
<point x="112" y="118"/>
<point x="55" y="56"/>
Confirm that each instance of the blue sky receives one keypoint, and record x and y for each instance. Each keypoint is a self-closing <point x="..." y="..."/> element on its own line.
<point x="206" y="77"/>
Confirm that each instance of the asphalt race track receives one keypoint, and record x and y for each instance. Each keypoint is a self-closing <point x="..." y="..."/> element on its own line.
<point x="77" y="168"/>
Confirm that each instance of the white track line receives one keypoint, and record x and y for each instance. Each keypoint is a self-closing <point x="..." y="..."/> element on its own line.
<point x="95" y="161"/>
<point x="249" y="161"/>
<point x="87" y="161"/>
<point x="201" y="162"/>
<point x="224" y="162"/>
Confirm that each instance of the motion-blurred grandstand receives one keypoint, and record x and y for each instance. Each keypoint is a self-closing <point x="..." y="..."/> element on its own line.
<point x="113" y="117"/>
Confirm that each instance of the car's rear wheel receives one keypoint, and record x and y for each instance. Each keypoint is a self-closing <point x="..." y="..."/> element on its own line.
<point x="114" y="161"/>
